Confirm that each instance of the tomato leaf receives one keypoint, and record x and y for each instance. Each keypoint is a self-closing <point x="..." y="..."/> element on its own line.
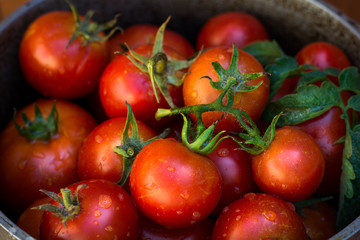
<point x="283" y="68"/>
<point x="349" y="208"/>
<point x="354" y="103"/>
<point x="310" y="101"/>
<point x="311" y="77"/>
<point x="266" y="52"/>
<point x="349" y="79"/>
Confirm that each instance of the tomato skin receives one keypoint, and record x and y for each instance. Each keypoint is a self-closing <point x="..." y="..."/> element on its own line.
<point x="292" y="167"/>
<point x="26" y="167"/>
<point x="235" y="168"/>
<point x="154" y="231"/>
<point x="326" y="129"/>
<point x="322" y="55"/>
<point x="173" y="186"/>
<point x="123" y="82"/>
<point x="140" y="34"/>
<point x="259" y="216"/>
<point x="320" y="221"/>
<point x="97" y="158"/>
<point x="231" y="27"/>
<point x="53" y="70"/>
<point x="197" y="90"/>
<point x="30" y="219"/>
<point x="107" y="212"/>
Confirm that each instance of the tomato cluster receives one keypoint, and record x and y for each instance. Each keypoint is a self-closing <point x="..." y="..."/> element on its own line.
<point x="185" y="144"/>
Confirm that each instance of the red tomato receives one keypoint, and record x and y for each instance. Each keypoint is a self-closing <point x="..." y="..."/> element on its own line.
<point x="197" y="90"/>
<point x="326" y="129"/>
<point x="235" y="168"/>
<point x="154" y="231"/>
<point x="322" y="55"/>
<point x="30" y="219"/>
<point x="27" y="166"/>
<point x="54" y="70"/>
<point x="97" y="158"/>
<point x="259" y="216"/>
<point x="140" y="34"/>
<point x="173" y="186"/>
<point x="292" y="167"/>
<point x="123" y="82"/>
<point x="231" y="27"/>
<point x="106" y="212"/>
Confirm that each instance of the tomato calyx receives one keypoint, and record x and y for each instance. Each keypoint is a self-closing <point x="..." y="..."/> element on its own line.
<point x="161" y="70"/>
<point x="132" y="145"/>
<point x="232" y="72"/>
<point x="39" y="128"/>
<point x="69" y="204"/>
<point x="250" y="140"/>
<point x="89" y="31"/>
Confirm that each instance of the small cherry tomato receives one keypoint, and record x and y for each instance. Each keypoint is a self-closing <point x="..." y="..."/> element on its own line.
<point x="174" y="186"/>
<point x="259" y="216"/>
<point x="140" y="34"/>
<point x="29" y="165"/>
<point x="101" y="210"/>
<point x="292" y="167"/>
<point x="231" y="27"/>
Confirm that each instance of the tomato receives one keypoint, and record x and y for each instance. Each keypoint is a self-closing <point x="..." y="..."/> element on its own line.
<point x="140" y="34"/>
<point x="231" y="27"/>
<point x="97" y="158"/>
<point x="27" y="166"/>
<point x="106" y="212"/>
<point x="259" y="216"/>
<point x="235" y="168"/>
<point x="292" y="167"/>
<point x="154" y="231"/>
<point x="320" y="221"/>
<point x="50" y="67"/>
<point x="173" y="186"/>
<point x="30" y="219"/>
<point x="197" y="90"/>
<point x="122" y="82"/>
<point x="326" y="129"/>
<point x="323" y="55"/>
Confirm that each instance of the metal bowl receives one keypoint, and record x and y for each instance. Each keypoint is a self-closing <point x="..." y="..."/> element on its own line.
<point x="292" y="23"/>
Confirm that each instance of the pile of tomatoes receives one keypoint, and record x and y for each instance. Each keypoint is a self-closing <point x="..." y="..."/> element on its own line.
<point x="172" y="143"/>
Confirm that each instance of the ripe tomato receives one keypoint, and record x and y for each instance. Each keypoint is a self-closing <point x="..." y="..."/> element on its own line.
<point x="319" y="221"/>
<point x="154" y="231"/>
<point x="140" y="34"/>
<point x="97" y="158"/>
<point x="231" y="27"/>
<point x="122" y="82"/>
<point x="30" y="219"/>
<point x="50" y="67"/>
<point x="198" y="90"/>
<point x="173" y="186"/>
<point x="27" y="166"/>
<point x="323" y="55"/>
<point x="106" y="212"/>
<point x="326" y="129"/>
<point x="259" y="216"/>
<point x="292" y="167"/>
<point x="235" y="168"/>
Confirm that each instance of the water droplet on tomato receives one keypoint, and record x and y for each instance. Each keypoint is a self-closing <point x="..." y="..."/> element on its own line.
<point x="185" y="195"/>
<point x="223" y="152"/>
<point x="99" y="139"/>
<point x="170" y="169"/>
<point x="108" y="228"/>
<point x="196" y="215"/>
<point x="21" y="165"/>
<point x="179" y="212"/>
<point x="96" y="222"/>
<point x="194" y="94"/>
<point x="151" y="186"/>
<point x="97" y="213"/>
<point x="269" y="215"/>
<point x="121" y="196"/>
<point x="250" y="196"/>
<point x="105" y="201"/>
<point x="238" y="217"/>
<point x="221" y="57"/>
<point x="225" y="209"/>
